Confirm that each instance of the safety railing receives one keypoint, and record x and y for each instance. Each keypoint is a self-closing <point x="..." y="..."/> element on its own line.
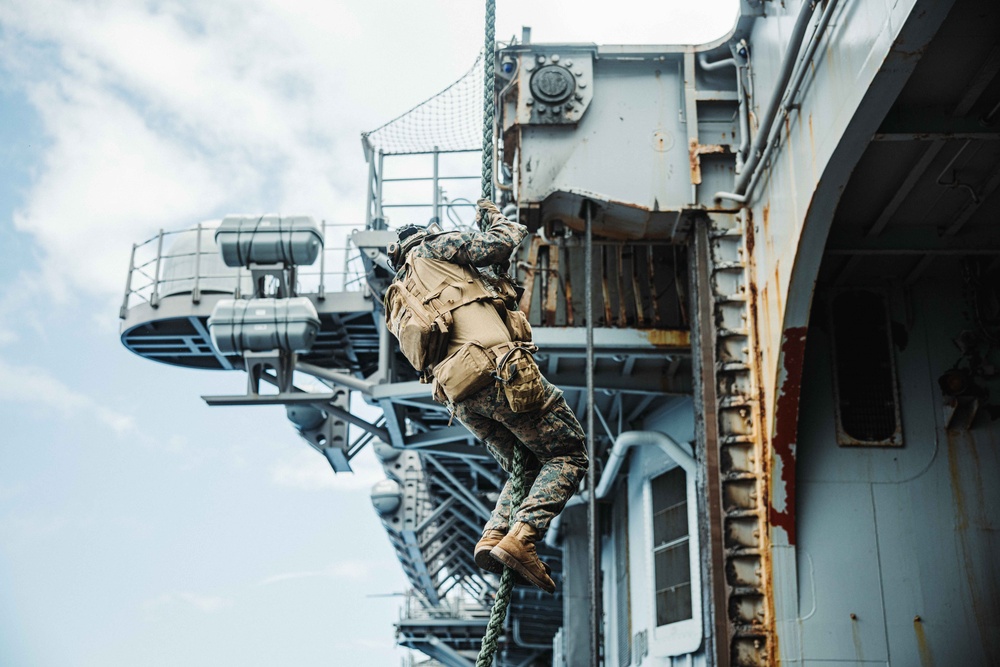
<point x="454" y="607"/>
<point x="421" y="187"/>
<point x="188" y="262"/>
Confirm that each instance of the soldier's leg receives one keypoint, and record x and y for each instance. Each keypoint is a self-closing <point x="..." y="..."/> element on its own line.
<point x="556" y="438"/>
<point x="500" y="443"/>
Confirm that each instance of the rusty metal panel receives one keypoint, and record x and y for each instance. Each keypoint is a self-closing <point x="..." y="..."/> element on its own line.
<point x="641" y="284"/>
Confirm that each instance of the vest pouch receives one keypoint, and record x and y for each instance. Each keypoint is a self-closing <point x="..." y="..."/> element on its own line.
<point x="521" y="379"/>
<point x="465" y="372"/>
<point x="437" y="391"/>
<point x="518" y="326"/>
<point x="507" y="290"/>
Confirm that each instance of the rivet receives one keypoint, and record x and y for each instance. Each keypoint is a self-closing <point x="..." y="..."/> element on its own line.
<point x="555" y="58"/>
<point x="917" y="619"/>
<point x="556" y="109"/>
<point x="540" y="59"/>
<point x="578" y="97"/>
<point x="529" y="101"/>
<point x="854" y="616"/>
<point x="582" y="84"/>
<point x="568" y="63"/>
<point x="541" y="108"/>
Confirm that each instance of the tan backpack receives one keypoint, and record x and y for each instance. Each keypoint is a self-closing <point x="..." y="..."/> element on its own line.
<point x="418" y="309"/>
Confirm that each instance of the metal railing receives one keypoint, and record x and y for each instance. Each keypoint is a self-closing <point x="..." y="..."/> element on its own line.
<point x="188" y="262"/>
<point x="428" y="201"/>
<point x="454" y="607"/>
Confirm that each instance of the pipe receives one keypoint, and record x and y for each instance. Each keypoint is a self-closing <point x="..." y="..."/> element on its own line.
<point x="742" y="111"/>
<point x="718" y="64"/>
<point x="552" y="536"/>
<point x="342" y="379"/>
<point x="741" y="152"/>
<point x="788" y="66"/>
<point x="523" y="643"/>
<point x="619" y="451"/>
<point x="630" y="439"/>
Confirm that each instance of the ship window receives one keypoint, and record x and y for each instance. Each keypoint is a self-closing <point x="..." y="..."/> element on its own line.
<point x="864" y="371"/>
<point x="671" y="549"/>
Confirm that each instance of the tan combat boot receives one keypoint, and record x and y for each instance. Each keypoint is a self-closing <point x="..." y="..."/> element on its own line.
<point x="491" y="537"/>
<point x="517" y="551"/>
<point x="485" y="561"/>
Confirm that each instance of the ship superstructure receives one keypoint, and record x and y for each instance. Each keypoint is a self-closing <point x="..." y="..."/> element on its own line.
<point x="796" y="312"/>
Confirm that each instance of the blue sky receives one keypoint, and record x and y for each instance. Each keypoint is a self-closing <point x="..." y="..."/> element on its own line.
<point x="137" y="525"/>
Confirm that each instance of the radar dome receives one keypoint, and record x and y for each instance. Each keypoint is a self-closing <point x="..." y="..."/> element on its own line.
<point x="385" y="452"/>
<point x="387" y="496"/>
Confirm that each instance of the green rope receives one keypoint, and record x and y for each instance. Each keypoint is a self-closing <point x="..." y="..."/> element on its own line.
<point x="489" y="48"/>
<point x="499" y="613"/>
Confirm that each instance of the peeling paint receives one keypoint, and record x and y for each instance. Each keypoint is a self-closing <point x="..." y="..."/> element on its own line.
<point x="695" y="151"/>
<point x="668" y="337"/>
<point x="786" y="417"/>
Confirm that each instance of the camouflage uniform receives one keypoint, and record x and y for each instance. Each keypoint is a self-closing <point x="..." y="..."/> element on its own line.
<point x="556" y="458"/>
<point x="555" y="463"/>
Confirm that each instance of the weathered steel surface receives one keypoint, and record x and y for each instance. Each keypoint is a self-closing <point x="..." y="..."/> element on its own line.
<point x="829" y="539"/>
<point x="889" y="535"/>
<point x="637" y="151"/>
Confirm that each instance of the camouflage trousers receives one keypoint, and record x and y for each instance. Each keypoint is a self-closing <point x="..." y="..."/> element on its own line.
<point x="555" y="460"/>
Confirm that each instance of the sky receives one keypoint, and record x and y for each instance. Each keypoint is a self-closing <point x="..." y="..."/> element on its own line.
<point x="137" y="525"/>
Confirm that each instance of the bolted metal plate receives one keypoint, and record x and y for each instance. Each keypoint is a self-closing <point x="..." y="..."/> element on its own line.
<point x="555" y="87"/>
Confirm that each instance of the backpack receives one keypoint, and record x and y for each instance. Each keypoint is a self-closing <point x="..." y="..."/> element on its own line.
<point x="418" y="307"/>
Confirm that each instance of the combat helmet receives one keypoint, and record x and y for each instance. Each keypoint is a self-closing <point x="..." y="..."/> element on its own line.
<point x="407" y="238"/>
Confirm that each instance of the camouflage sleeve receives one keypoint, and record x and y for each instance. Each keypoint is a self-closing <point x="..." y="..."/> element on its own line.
<point x="493" y="246"/>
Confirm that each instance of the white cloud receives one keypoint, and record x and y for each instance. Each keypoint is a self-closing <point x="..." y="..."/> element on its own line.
<point x="158" y="117"/>
<point x="204" y="603"/>
<point x="308" y="470"/>
<point x="350" y="569"/>
<point x="36" y="385"/>
<point x="163" y="114"/>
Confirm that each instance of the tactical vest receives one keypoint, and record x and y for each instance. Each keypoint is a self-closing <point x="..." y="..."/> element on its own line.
<point x="418" y="309"/>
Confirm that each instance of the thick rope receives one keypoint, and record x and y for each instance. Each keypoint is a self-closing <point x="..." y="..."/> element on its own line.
<point x="499" y="612"/>
<point x="489" y="50"/>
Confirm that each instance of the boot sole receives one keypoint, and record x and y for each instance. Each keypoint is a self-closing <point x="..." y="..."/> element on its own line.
<point x="484" y="561"/>
<point x="514" y="564"/>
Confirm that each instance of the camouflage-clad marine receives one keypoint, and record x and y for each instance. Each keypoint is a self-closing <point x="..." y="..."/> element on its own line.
<point x="556" y="458"/>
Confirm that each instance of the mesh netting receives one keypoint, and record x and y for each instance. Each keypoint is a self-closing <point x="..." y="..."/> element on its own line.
<point x="452" y="120"/>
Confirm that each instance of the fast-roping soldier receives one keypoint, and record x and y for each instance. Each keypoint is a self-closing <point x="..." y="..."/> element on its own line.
<point x="461" y="329"/>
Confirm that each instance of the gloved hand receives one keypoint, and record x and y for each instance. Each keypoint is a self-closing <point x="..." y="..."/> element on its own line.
<point x="486" y="207"/>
